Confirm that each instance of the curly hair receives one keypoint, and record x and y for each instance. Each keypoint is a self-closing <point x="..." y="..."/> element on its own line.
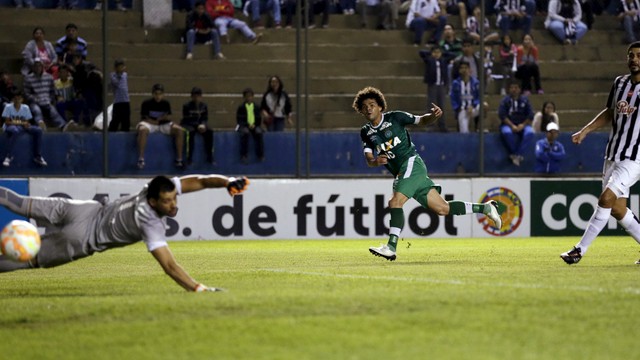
<point x="369" y="93"/>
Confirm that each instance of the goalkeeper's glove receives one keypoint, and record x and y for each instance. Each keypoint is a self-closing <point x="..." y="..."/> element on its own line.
<point x="237" y="185"/>
<point x="203" y="288"/>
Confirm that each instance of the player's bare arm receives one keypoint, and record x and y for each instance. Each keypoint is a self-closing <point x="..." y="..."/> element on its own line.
<point x="374" y="161"/>
<point x="431" y="116"/>
<point x="165" y="258"/>
<point x="191" y="183"/>
<point x="603" y="118"/>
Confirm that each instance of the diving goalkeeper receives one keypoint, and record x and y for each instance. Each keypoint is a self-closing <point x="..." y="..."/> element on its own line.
<point x="75" y="229"/>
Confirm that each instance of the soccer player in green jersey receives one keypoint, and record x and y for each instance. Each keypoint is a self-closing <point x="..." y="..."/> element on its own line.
<point x="387" y="142"/>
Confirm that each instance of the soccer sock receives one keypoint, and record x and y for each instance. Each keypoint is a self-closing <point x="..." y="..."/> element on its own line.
<point x="396" y="225"/>
<point x="14" y="202"/>
<point x="597" y="222"/>
<point x="631" y="225"/>
<point x="464" y="207"/>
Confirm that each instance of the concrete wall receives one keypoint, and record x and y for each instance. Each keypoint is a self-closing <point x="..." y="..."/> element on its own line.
<point x="332" y="153"/>
<point x="83" y="4"/>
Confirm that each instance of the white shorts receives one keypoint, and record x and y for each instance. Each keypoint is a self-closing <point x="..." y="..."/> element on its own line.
<point x="164" y="128"/>
<point x="464" y="119"/>
<point x="620" y="176"/>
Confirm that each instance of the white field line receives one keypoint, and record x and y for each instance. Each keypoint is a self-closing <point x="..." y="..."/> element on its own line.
<point x="632" y="291"/>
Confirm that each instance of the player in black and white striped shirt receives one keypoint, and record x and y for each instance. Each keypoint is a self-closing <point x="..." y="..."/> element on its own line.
<point x="622" y="162"/>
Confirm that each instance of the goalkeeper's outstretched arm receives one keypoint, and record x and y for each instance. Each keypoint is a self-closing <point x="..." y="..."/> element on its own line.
<point x="168" y="263"/>
<point x="191" y="183"/>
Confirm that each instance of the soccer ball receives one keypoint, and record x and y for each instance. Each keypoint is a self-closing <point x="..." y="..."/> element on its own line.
<point x="20" y="240"/>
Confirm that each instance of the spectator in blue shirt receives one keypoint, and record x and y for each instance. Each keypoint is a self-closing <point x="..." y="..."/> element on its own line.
<point x="71" y="36"/>
<point x="17" y="120"/>
<point x="549" y="151"/>
<point x="465" y="97"/>
<point x="121" y="118"/>
<point x="515" y="114"/>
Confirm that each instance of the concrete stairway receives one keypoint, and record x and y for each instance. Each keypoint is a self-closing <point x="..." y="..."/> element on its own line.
<point x="342" y="60"/>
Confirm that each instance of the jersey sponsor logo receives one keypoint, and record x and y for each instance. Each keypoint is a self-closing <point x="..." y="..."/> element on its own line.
<point x="371" y="131"/>
<point x="511" y="218"/>
<point x="388" y="145"/>
<point x="385" y="125"/>
<point x="623" y="107"/>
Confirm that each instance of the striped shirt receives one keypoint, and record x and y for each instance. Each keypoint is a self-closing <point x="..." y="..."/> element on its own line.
<point x="510" y="6"/>
<point x="39" y="89"/>
<point x="64" y="89"/>
<point x="631" y="5"/>
<point x="624" y="138"/>
<point x="465" y="94"/>
<point x="120" y="87"/>
<point x="61" y="46"/>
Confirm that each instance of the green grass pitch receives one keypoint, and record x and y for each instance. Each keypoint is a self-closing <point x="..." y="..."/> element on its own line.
<point x="331" y="299"/>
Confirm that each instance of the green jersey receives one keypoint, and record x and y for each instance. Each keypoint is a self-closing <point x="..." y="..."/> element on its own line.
<point x="390" y="138"/>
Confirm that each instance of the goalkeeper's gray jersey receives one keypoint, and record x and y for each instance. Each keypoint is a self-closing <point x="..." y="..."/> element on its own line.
<point x="130" y="219"/>
<point x="75" y="228"/>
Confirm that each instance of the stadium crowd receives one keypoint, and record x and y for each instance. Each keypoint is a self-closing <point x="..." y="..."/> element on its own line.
<point x="62" y="87"/>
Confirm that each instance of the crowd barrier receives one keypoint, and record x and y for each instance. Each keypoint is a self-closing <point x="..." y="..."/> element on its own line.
<point x="329" y="153"/>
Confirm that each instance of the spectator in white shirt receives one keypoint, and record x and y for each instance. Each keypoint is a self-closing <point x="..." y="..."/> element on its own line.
<point x="425" y="15"/>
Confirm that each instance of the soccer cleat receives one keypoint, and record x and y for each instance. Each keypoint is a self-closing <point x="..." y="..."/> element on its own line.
<point x="257" y="38"/>
<point x="572" y="256"/>
<point x="70" y="126"/>
<point x="491" y="210"/>
<point x="383" y="251"/>
<point x="40" y="161"/>
<point x="637" y="262"/>
<point x="515" y="159"/>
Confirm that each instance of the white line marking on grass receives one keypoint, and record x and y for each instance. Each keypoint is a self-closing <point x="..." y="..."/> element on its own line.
<point x="632" y="291"/>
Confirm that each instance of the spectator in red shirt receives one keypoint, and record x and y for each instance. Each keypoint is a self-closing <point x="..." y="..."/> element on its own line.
<point x="221" y="11"/>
